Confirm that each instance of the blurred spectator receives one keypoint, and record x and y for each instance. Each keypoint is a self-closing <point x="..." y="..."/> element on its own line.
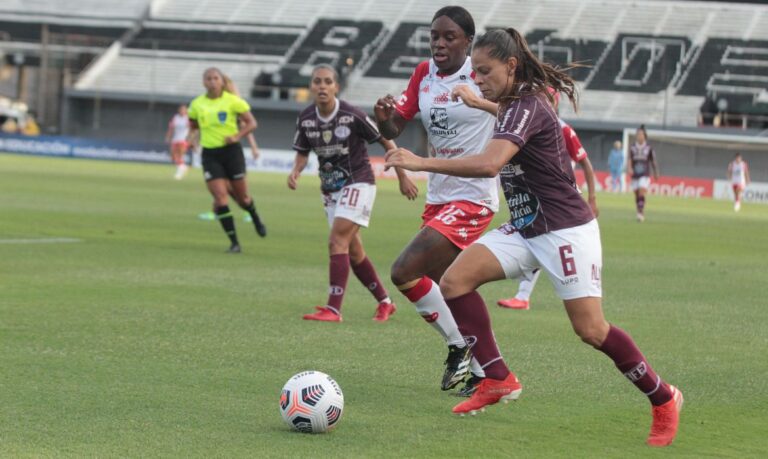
<point x="616" y="167"/>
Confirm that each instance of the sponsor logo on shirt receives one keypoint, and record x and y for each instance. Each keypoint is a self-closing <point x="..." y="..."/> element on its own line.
<point x="308" y="123"/>
<point x="313" y="134"/>
<point x="511" y="170"/>
<point x="522" y="122"/>
<point x="425" y="89"/>
<point x="342" y="132"/>
<point x="523" y="206"/>
<point x="346" y="119"/>
<point x="442" y="99"/>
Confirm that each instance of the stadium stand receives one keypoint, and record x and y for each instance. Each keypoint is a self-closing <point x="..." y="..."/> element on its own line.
<point x="661" y="58"/>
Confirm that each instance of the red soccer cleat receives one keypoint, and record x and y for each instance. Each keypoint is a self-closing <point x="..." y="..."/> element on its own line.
<point x="323" y="314"/>
<point x="489" y="392"/>
<point x="383" y="311"/>
<point x="513" y="303"/>
<point x="666" y="418"/>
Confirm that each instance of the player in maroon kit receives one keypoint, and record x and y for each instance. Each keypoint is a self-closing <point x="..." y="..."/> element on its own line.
<point x="578" y="154"/>
<point x="338" y="133"/>
<point x="551" y="228"/>
<point x="642" y="159"/>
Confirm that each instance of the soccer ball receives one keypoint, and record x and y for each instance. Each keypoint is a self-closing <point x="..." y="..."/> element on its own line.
<point x="311" y="402"/>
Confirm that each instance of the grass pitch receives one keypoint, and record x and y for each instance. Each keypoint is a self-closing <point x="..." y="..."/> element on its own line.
<point x="126" y="331"/>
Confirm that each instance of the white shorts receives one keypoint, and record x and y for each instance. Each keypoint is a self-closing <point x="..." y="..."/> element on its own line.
<point x="572" y="257"/>
<point x="353" y="202"/>
<point x="642" y="182"/>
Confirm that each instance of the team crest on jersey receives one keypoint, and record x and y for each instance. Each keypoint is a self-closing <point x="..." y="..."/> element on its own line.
<point x="439" y="123"/>
<point x="327" y="136"/>
<point x="342" y="132"/>
<point x="222" y="117"/>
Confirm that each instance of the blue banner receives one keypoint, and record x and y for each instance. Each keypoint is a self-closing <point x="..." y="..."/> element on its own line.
<point x="77" y="147"/>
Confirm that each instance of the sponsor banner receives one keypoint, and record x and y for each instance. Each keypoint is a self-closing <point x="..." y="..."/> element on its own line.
<point x="754" y="192"/>
<point x="685" y="187"/>
<point x="75" y="147"/>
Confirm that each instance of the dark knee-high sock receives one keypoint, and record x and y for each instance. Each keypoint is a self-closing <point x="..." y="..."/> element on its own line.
<point x="620" y="347"/>
<point x="640" y="203"/>
<point x="251" y="209"/>
<point x="227" y="222"/>
<point x="338" y="270"/>
<point x="366" y="274"/>
<point x="472" y="317"/>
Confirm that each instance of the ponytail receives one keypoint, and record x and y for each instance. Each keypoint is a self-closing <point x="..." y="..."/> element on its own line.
<point x="531" y="75"/>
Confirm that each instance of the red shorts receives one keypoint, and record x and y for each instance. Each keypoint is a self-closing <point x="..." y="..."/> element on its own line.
<point x="182" y="143"/>
<point x="462" y="222"/>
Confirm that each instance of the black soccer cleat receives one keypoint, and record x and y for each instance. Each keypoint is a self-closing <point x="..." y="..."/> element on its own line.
<point x="456" y="366"/>
<point x="470" y="386"/>
<point x="234" y="248"/>
<point x="261" y="230"/>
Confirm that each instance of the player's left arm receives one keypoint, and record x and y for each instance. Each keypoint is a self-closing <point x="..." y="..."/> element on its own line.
<point x="407" y="187"/>
<point x="654" y="165"/>
<point x="746" y="173"/>
<point x="589" y="177"/>
<point x="247" y="124"/>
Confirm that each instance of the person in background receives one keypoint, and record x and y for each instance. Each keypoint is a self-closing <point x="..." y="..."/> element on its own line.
<point x="177" y="136"/>
<point x="616" y="167"/>
<point x="738" y="174"/>
<point x="642" y="159"/>
<point x="224" y="119"/>
<point x="338" y="133"/>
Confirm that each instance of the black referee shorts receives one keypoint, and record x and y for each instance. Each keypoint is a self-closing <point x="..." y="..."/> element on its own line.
<point x="224" y="162"/>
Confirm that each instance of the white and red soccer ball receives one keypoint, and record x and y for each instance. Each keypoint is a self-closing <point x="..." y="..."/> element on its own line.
<point x="311" y="402"/>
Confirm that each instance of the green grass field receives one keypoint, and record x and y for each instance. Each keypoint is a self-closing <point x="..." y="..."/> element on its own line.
<point x="144" y="339"/>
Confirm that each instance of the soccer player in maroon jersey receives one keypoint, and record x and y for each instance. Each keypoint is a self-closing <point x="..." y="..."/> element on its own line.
<point x="551" y="228"/>
<point x="578" y="154"/>
<point x="642" y="159"/>
<point x="338" y="133"/>
<point x="459" y="122"/>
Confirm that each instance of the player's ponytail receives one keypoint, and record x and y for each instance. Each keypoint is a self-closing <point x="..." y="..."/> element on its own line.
<point x="531" y="75"/>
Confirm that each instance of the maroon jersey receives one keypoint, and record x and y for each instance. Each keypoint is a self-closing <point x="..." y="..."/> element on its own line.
<point x="538" y="181"/>
<point x="340" y="143"/>
<point x="641" y="155"/>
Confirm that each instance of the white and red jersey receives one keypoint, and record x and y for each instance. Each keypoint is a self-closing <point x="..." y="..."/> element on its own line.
<point x="179" y="125"/>
<point x="454" y="130"/>
<point x="738" y="170"/>
<point x="572" y="143"/>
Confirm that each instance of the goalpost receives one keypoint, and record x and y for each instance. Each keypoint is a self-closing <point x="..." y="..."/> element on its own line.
<point x="705" y="156"/>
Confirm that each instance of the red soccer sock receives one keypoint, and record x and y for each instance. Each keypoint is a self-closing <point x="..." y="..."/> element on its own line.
<point x="418" y="291"/>
<point x="366" y="274"/>
<point x="471" y="315"/>
<point x="620" y="347"/>
<point x="338" y="269"/>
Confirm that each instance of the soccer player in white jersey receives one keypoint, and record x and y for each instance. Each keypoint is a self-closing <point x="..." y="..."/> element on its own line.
<point x="738" y="174"/>
<point x="459" y="123"/>
<point x="177" y="137"/>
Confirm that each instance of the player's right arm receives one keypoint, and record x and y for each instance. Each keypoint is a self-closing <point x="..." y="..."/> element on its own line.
<point x="390" y="122"/>
<point x="392" y="115"/>
<point x="169" y="132"/>
<point x="299" y="163"/>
